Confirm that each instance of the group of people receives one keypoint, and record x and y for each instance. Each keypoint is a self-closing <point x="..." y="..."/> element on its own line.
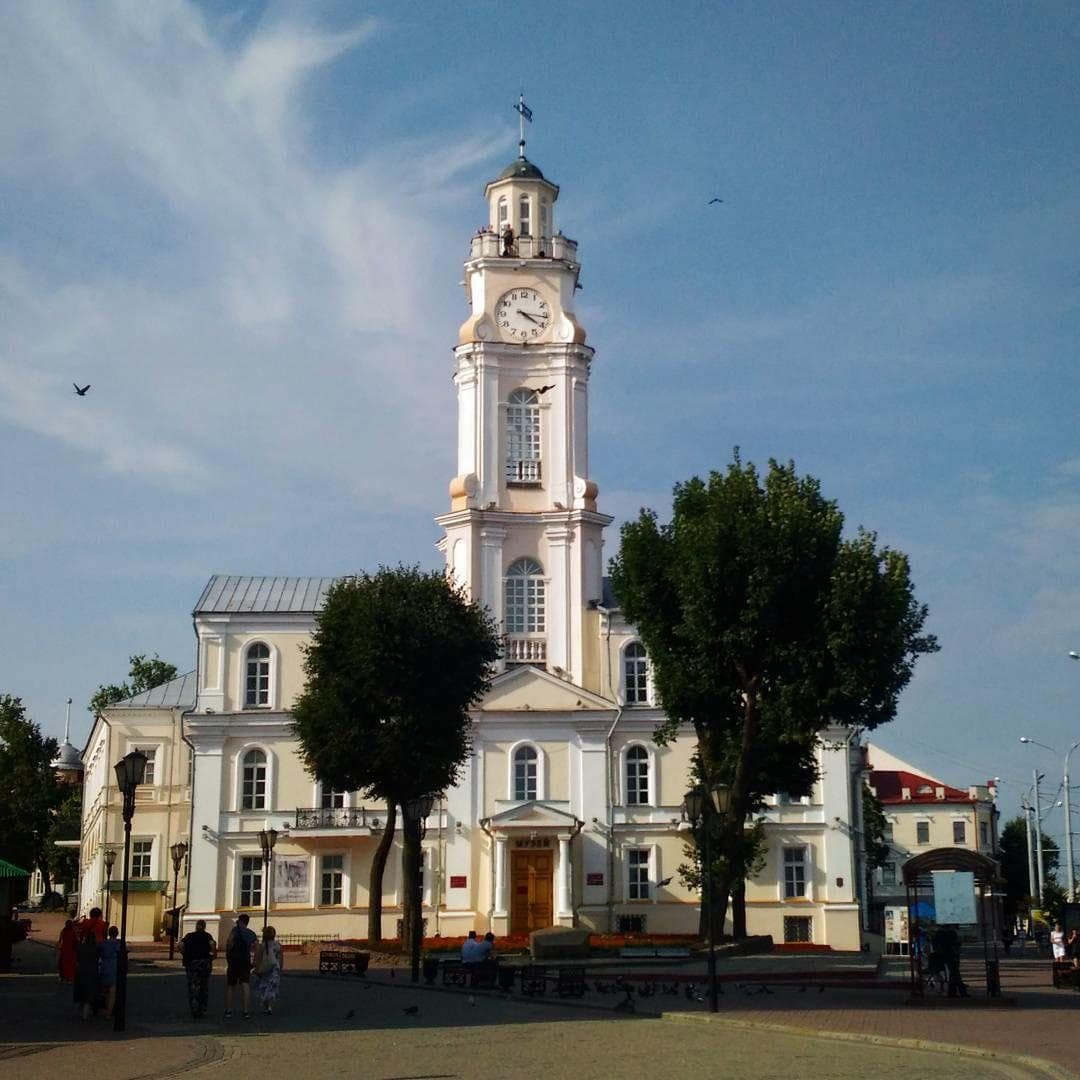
<point x="245" y="958"/>
<point x="89" y="953"/>
<point x="939" y="960"/>
<point x="88" y="957"/>
<point x="476" y="950"/>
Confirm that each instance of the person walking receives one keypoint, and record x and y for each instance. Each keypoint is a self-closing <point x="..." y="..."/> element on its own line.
<point x="66" y="947"/>
<point x="238" y="946"/>
<point x="86" y="974"/>
<point x="96" y="925"/>
<point x="108" y="962"/>
<point x="268" y="970"/>
<point x="197" y="950"/>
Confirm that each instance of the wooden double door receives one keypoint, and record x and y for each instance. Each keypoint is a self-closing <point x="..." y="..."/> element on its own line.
<point x="531" y="876"/>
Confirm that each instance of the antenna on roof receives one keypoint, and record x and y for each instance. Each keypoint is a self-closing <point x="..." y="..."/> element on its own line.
<point x="524" y="113"/>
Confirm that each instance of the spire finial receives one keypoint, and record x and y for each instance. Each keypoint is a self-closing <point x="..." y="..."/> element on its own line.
<point x="524" y="113"/>
<point x="67" y="722"/>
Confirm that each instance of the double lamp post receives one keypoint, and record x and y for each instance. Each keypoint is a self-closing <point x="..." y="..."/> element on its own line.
<point x="130" y="771"/>
<point x="416" y="812"/>
<point x="699" y="805"/>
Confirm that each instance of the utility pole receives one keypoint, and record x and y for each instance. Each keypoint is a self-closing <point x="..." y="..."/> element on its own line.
<point x="1038" y="838"/>
<point x="1070" y="873"/>
<point x="1025" y="806"/>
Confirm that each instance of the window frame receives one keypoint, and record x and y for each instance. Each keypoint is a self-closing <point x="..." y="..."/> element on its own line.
<point x="343" y="882"/>
<point x="260" y="867"/>
<point x="524" y="214"/>
<point x="920" y="825"/>
<point x="642" y="660"/>
<point x="271" y="676"/>
<point x="531" y="608"/>
<point x="523" y="428"/>
<point x="888" y="880"/>
<point x="269" y="765"/>
<point x="632" y="864"/>
<point x="541" y="771"/>
<point x="149" y="856"/>
<point x="959" y="825"/>
<point x="805" y="863"/>
<point x="650" y="774"/>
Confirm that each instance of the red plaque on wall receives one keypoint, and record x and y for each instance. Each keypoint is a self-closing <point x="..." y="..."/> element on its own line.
<point x="457" y="881"/>
<point x="594" y="879"/>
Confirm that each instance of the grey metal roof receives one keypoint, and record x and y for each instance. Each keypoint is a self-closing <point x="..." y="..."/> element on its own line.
<point x="231" y="595"/>
<point x="610" y="600"/>
<point x="178" y="693"/>
<point x="521" y="167"/>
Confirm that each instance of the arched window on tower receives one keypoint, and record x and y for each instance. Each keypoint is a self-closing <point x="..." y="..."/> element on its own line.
<point x="253" y="780"/>
<point x="523" y="437"/>
<point x="635" y="674"/>
<point x="637" y="776"/>
<point x="545" y="219"/>
<point x="525" y="771"/>
<point x="504" y="213"/>
<point x="257" y="676"/>
<point x="526" y="617"/>
<point x="525" y="216"/>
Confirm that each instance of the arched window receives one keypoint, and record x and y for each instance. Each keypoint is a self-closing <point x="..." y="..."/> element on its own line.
<point x="523" y="437"/>
<point x="525" y="607"/>
<point x="257" y="677"/>
<point x="504" y="213"/>
<point x="525" y="216"/>
<point x="636" y="674"/>
<point x="637" y="776"/>
<point x="253" y="780"/>
<point x="545" y="217"/>
<point x="525" y="772"/>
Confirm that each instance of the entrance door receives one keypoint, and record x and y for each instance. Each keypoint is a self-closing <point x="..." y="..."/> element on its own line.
<point x="530" y="890"/>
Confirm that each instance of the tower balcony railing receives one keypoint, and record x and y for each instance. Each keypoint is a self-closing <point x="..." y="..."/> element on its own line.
<point x="523" y="471"/>
<point x="526" y="649"/>
<point x="338" y="817"/>
<point x="489" y="244"/>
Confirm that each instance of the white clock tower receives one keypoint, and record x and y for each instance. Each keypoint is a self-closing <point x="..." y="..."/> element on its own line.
<point x="523" y="535"/>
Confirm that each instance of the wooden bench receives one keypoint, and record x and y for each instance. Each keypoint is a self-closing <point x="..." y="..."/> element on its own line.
<point x="343" y="962"/>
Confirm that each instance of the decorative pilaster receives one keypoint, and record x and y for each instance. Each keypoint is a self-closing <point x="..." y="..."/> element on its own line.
<point x="562" y="902"/>
<point x="500" y="877"/>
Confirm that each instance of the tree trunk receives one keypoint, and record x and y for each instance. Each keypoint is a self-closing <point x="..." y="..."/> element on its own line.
<point x="410" y="859"/>
<point x="738" y="911"/>
<point x="43" y="866"/>
<point x="378" y="866"/>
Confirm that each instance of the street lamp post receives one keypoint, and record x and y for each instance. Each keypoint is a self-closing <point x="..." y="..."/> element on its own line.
<point x="696" y="805"/>
<point x="109" y="858"/>
<point x="416" y="813"/>
<point x="267" y="840"/>
<point x="178" y="851"/>
<point x="1025" y="806"/>
<point x="1070" y="873"/>
<point x="130" y="770"/>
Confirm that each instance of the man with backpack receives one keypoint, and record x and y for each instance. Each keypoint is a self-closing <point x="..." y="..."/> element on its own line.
<point x="238" y="947"/>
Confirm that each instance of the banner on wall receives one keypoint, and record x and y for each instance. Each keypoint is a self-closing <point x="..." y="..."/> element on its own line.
<point x="291" y="884"/>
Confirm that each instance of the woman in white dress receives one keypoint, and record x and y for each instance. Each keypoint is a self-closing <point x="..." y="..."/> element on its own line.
<point x="267" y="970"/>
<point x="1057" y="942"/>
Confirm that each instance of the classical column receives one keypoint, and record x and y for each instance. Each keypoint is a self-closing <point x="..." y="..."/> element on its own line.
<point x="500" y="876"/>
<point x="563" y="902"/>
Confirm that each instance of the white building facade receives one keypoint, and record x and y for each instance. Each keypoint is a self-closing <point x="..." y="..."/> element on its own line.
<point x="566" y="813"/>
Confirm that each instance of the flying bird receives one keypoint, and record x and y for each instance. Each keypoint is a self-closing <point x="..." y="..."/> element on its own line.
<point x="81" y="390"/>
<point x="411" y="1010"/>
<point x="545" y="389"/>
<point x="350" y="1014"/>
<point x="711" y="201"/>
<point x="664" y="881"/>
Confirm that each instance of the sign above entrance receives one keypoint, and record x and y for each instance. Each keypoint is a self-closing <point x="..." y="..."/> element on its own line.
<point x="457" y="881"/>
<point x="533" y="841"/>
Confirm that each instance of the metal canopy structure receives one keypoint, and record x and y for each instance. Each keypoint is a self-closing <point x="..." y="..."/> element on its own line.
<point x="918" y="877"/>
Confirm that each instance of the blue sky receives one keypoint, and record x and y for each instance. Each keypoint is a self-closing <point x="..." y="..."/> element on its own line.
<point x="244" y="224"/>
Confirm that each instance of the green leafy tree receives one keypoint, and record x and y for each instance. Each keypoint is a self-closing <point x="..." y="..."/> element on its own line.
<point x="66" y="825"/>
<point x="395" y="662"/>
<point x="875" y="846"/>
<point x="29" y="792"/>
<point x="143" y="675"/>
<point x="764" y="626"/>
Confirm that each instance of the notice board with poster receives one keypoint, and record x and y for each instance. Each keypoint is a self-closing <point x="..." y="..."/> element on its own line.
<point x="954" y="897"/>
<point x="897" y="935"/>
<point x="292" y="883"/>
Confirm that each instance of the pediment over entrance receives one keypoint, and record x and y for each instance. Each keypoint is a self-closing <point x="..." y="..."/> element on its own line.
<point x="531" y="689"/>
<point x="534" y="815"/>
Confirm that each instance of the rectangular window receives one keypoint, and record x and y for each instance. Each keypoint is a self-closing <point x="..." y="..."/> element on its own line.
<point x="887" y="832"/>
<point x="151" y="763"/>
<point x="959" y="832"/>
<point x="525" y="207"/>
<point x="984" y="833"/>
<point x="523" y="442"/>
<point x="525" y="605"/>
<point x="637" y="862"/>
<point x="141" y="851"/>
<point x="251" y="881"/>
<point x="794" y="872"/>
<point x="798" y="929"/>
<point x="922" y="832"/>
<point x="332" y="799"/>
<point x="888" y="874"/>
<point x="333" y="878"/>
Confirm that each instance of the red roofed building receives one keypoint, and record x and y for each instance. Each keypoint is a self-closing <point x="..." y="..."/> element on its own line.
<point x="922" y="813"/>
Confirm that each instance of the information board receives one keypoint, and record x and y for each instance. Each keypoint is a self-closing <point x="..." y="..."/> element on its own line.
<point x="291" y="882"/>
<point x="954" y="897"/>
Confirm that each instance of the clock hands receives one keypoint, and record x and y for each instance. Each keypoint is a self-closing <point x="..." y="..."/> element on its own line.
<point x="531" y="318"/>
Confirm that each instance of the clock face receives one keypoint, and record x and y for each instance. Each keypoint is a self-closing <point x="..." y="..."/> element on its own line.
<point x="522" y="314"/>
